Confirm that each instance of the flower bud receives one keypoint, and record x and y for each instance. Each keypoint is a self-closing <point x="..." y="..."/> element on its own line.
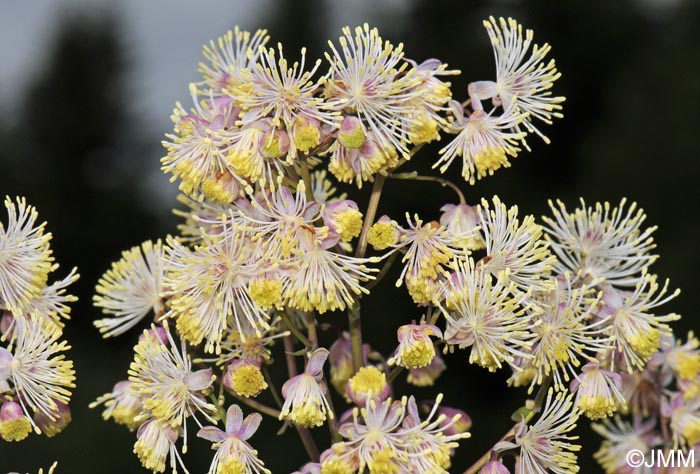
<point x="51" y="426"/>
<point x="426" y="376"/>
<point x="14" y="425"/>
<point x="340" y="358"/>
<point x="274" y="143"/>
<point x="222" y="188"/>
<point x="368" y="382"/>
<point x="307" y="133"/>
<point x="243" y="376"/>
<point x="456" y="421"/>
<point x="384" y="233"/>
<point x="6" y="323"/>
<point x="343" y="218"/>
<point x="494" y="467"/>
<point x="351" y="134"/>
<point x="158" y="333"/>
<point x="463" y="220"/>
<point x="415" y="347"/>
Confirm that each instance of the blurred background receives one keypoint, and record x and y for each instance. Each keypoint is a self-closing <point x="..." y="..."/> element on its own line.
<point x="86" y="91"/>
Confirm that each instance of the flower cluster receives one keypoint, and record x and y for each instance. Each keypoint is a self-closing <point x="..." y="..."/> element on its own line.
<point x="390" y="436"/>
<point x="35" y="377"/>
<point x="267" y="248"/>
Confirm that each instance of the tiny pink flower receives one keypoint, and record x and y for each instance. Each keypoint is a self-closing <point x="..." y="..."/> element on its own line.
<point x="233" y="452"/>
<point x="305" y="401"/>
<point x="415" y="346"/>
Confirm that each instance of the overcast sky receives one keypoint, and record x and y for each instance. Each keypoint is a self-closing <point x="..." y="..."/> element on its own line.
<point x="163" y="40"/>
<point x="158" y="34"/>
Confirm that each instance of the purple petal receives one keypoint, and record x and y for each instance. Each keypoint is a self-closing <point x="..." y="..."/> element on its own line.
<point x="287" y="198"/>
<point x="289" y="384"/>
<point x="200" y="380"/>
<point x="234" y="419"/>
<point x="250" y="426"/>
<point x="504" y="445"/>
<point x="436" y="330"/>
<point x="211" y="433"/>
<point x="412" y="408"/>
<point x="430" y="64"/>
<point x="574" y="385"/>
<point x="5" y="359"/>
<point x="315" y="365"/>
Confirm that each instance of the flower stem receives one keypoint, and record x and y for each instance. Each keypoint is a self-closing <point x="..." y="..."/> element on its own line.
<point x="306" y="176"/>
<point x="294" y="329"/>
<point x="273" y="389"/>
<point x="289" y="354"/>
<point x="256" y="405"/>
<point x="536" y="405"/>
<point x="370" y="215"/>
<point x="309" y="443"/>
<point x="311" y="328"/>
<point x="414" y="176"/>
<point x="304" y="433"/>
<point x="394" y="373"/>
<point x="356" y="336"/>
<point x="332" y="422"/>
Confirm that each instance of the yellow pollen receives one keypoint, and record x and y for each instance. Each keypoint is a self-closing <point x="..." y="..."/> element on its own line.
<point x="691" y="390"/>
<point x="336" y="465"/>
<point x="382" y="235"/>
<point x="368" y="379"/>
<point x="162" y="406"/>
<point x="215" y="191"/>
<point x="596" y="407"/>
<point x="306" y="137"/>
<point x="189" y="327"/>
<point x="688" y="366"/>
<point x="441" y="456"/>
<point x="383" y="462"/>
<point x="422" y="290"/>
<point x="522" y="378"/>
<point x="243" y="164"/>
<point x="149" y="457"/>
<point x="231" y="465"/>
<point x="420" y="354"/>
<point x="307" y="415"/>
<point x="341" y="170"/>
<point x="691" y="432"/>
<point x="125" y="414"/>
<point x="425" y="131"/>
<point x="645" y="345"/>
<point x="349" y="224"/>
<point x="485" y="360"/>
<point x="353" y="139"/>
<point x="489" y="160"/>
<point x="560" y="350"/>
<point x="247" y="380"/>
<point x="340" y="374"/>
<point x="15" y="430"/>
<point x="271" y="147"/>
<point x="266" y="292"/>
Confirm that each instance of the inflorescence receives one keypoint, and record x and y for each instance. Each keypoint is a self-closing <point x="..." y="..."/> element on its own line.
<point x="267" y="247"/>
